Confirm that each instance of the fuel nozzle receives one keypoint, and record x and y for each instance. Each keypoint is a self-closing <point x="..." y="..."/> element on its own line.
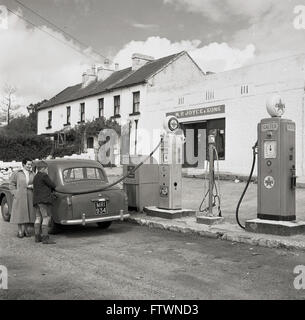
<point x="293" y="177"/>
<point x="255" y="147"/>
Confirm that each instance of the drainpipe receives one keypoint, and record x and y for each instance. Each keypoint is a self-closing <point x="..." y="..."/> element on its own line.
<point x="136" y="136"/>
<point x="303" y="135"/>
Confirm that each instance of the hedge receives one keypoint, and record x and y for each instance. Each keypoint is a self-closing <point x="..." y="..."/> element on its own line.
<point x="68" y="150"/>
<point x="19" y="147"/>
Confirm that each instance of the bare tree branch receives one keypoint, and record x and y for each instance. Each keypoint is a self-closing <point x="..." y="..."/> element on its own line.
<point x="8" y="105"/>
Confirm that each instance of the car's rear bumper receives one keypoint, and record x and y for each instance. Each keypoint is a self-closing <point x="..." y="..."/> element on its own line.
<point x="85" y="220"/>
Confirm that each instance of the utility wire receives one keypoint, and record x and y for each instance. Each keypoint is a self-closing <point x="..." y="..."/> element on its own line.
<point x="51" y="35"/>
<point x="62" y="30"/>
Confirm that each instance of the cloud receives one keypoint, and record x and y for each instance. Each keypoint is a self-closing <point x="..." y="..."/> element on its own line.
<point x="145" y="26"/>
<point x="274" y="33"/>
<point x="269" y="23"/>
<point x="213" y="57"/>
<point x="82" y="6"/>
<point x="37" y="64"/>
<point x="219" y="10"/>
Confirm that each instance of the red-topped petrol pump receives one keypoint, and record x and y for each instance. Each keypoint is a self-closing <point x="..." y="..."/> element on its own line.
<point x="276" y="165"/>
<point x="276" y="174"/>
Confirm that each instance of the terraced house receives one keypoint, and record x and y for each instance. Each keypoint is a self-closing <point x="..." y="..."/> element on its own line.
<point x="124" y="95"/>
<point x="230" y="102"/>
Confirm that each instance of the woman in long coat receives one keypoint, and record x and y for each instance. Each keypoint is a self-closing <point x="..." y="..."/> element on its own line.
<point x="23" y="212"/>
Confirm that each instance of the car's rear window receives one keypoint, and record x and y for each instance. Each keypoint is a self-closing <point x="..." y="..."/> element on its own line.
<point x="79" y="174"/>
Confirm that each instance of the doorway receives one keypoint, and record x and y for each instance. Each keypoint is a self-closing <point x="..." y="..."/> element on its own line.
<point x="195" y="133"/>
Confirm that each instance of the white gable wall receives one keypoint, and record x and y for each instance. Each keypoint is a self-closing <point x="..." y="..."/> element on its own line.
<point x="178" y="80"/>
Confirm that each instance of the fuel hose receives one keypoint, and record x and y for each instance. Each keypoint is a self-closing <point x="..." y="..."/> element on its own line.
<point x="120" y="179"/>
<point x="247" y="185"/>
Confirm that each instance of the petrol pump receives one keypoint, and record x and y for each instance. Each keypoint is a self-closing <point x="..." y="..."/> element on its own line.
<point x="170" y="168"/>
<point x="208" y="215"/>
<point x="170" y="173"/>
<point x="276" y="174"/>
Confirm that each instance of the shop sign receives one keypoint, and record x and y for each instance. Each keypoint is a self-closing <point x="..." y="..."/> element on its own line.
<point x="197" y="112"/>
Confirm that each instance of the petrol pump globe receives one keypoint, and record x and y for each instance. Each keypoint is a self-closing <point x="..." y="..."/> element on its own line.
<point x="275" y="105"/>
<point x="171" y="124"/>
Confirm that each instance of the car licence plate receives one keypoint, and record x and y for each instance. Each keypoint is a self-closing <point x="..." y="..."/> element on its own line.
<point x="100" y="207"/>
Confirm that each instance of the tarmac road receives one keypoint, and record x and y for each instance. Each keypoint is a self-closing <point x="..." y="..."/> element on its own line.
<point x="133" y="262"/>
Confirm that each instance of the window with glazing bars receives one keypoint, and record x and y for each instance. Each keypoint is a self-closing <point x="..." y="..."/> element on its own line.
<point x="136" y="102"/>
<point x="82" y="112"/>
<point x="101" y="107"/>
<point x="116" y="103"/>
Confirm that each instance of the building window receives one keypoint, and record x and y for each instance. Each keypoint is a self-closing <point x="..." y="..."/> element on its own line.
<point x="82" y="112"/>
<point x="244" y="89"/>
<point x="116" y="103"/>
<point x="136" y="102"/>
<point x="101" y="107"/>
<point x="181" y="100"/>
<point x="90" y="143"/>
<point x="49" y="120"/>
<point x="68" y="115"/>
<point x="209" y="95"/>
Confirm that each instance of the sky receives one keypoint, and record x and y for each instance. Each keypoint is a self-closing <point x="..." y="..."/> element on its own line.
<point x="41" y="60"/>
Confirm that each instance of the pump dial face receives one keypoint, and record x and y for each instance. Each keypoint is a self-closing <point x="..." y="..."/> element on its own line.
<point x="270" y="149"/>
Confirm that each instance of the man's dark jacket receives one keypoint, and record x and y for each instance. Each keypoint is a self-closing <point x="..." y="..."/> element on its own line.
<point x="43" y="187"/>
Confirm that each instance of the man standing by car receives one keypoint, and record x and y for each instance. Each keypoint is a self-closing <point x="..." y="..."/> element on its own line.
<point x="42" y="200"/>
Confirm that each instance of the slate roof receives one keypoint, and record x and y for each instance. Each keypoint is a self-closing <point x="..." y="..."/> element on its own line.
<point x="119" y="79"/>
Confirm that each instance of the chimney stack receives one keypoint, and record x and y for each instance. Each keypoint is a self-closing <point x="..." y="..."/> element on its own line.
<point x="89" y="76"/>
<point x="139" y="60"/>
<point x="105" y="71"/>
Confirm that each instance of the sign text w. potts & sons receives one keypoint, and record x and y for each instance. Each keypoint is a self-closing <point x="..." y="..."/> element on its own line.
<point x="197" y="112"/>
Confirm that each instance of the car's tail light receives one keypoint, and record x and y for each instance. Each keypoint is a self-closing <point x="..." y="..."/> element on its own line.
<point x="69" y="209"/>
<point x="126" y="203"/>
<point x="69" y="201"/>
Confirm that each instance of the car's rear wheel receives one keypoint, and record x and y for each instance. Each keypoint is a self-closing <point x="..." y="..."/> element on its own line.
<point x="5" y="210"/>
<point x="104" y="225"/>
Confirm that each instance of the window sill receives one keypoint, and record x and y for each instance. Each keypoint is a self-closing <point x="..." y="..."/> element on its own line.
<point x="67" y="124"/>
<point x="79" y="122"/>
<point x="116" y="116"/>
<point x="135" y="114"/>
<point x="49" y="127"/>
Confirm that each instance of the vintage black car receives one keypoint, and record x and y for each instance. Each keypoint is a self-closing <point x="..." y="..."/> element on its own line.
<point x="81" y="195"/>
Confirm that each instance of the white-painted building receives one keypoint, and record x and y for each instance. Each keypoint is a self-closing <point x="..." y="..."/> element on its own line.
<point x="233" y="102"/>
<point x="124" y="95"/>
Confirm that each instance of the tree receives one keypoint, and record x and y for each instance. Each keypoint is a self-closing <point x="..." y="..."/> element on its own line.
<point x="8" y="104"/>
<point x="24" y="125"/>
<point x="33" y="110"/>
